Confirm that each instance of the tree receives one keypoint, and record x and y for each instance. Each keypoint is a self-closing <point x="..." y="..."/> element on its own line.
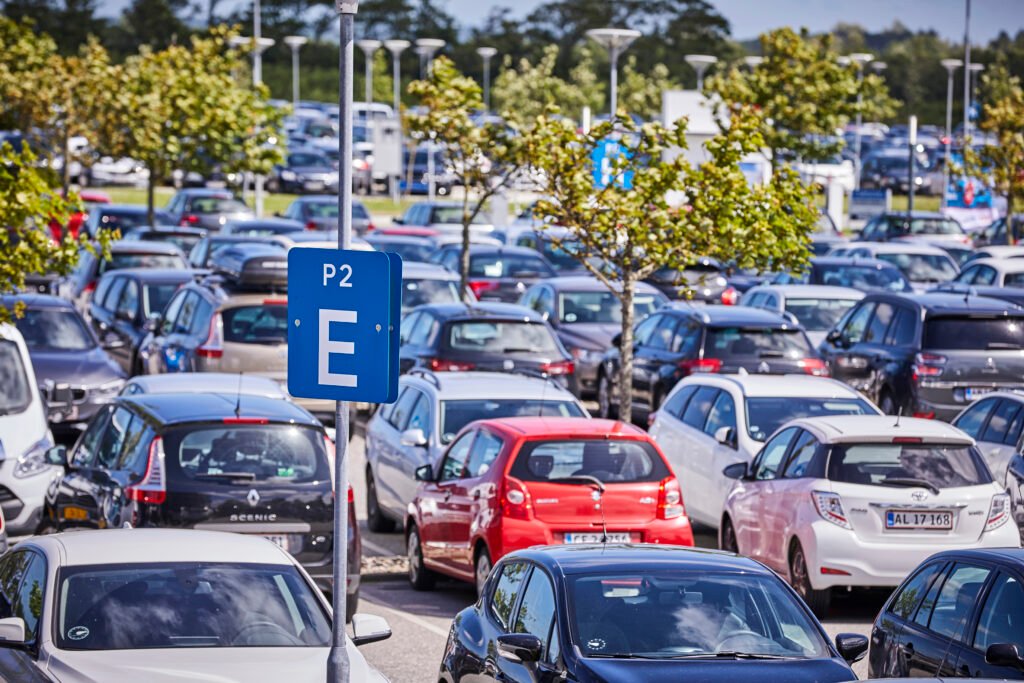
<point x="641" y="93"/>
<point x="1003" y="118"/>
<point x="671" y="213"/>
<point x="525" y="91"/>
<point x="484" y="158"/>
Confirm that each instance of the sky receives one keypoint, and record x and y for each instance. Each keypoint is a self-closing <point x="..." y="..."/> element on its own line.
<point x="751" y="17"/>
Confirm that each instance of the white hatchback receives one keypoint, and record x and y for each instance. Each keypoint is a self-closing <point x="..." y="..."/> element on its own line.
<point x="710" y="421"/>
<point x="861" y="501"/>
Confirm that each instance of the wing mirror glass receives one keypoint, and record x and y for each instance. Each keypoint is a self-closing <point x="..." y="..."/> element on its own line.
<point x="520" y="647"/>
<point x="424" y="473"/>
<point x="414" y="437"/>
<point x="835" y="337"/>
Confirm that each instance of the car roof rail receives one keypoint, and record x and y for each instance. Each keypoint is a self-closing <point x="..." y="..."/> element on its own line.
<point x="428" y="375"/>
<point x="536" y="374"/>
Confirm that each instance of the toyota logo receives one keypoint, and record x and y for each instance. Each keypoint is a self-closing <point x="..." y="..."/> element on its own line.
<point x="919" y="496"/>
<point x="253" y="497"/>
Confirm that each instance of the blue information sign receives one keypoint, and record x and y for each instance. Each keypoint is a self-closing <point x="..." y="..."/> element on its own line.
<point x="343" y="316"/>
<point x="604" y="157"/>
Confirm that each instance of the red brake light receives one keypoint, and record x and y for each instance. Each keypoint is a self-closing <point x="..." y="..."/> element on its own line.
<point x="370" y="227"/>
<point x="351" y="495"/>
<point x="701" y="365"/>
<point x="481" y="286"/>
<point x="310" y="225"/>
<point x="906" y="439"/>
<point x="930" y="415"/>
<point x="562" y="367"/>
<point x="246" y="421"/>
<point x="213" y="347"/>
<point x="515" y="500"/>
<point x="928" y="365"/>
<point x="442" y="365"/>
<point x="670" y="499"/>
<point x="90" y="288"/>
<point x="190" y="219"/>
<point x="275" y="302"/>
<point x="814" y="366"/>
<point x="730" y="296"/>
<point x="834" y="572"/>
<point x="152" y="488"/>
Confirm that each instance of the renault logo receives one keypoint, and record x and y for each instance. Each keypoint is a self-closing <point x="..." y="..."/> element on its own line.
<point x="253" y="497"/>
<point x="764" y="367"/>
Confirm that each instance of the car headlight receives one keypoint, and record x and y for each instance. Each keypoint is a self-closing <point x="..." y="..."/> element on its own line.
<point x="110" y="389"/>
<point x="586" y="355"/>
<point x="288" y="176"/>
<point x="33" y="461"/>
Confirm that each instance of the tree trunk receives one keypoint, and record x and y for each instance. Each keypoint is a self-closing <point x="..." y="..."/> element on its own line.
<point x="66" y="170"/>
<point x="625" y="380"/>
<point x="150" y="197"/>
<point x="464" y="256"/>
<point x="1011" y="232"/>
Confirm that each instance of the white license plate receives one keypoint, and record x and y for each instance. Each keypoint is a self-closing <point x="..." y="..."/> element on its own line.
<point x="918" y="519"/>
<point x="279" y="541"/>
<point x="314" y="187"/>
<point x="972" y="393"/>
<point x="596" y="537"/>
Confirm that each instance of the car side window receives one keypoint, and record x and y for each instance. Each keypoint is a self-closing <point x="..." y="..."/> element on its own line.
<point x="546" y="303"/>
<point x="1014" y="431"/>
<point x="771" y="302"/>
<point x="503" y="599"/>
<point x="973" y="419"/>
<point x="1002" y="616"/>
<point x="188" y="310"/>
<point x="687" y="339"/>
<point x="1000" y="420"/>
<point x="113" y="439"/>
<point x="101" y="291"/>
<point x="700" y="405"/>
<point x="722" y="414"/>
<point x="135" y="451"/>
<point x="901" y="331"/>
<point x="643" y="331"/>
<point x="769" y="462"/>
<point x="419" y="334"/>
<point x="128" y="304"/>
<point x="167" y="326"/>
<point x="801" y="455"/>
<point x="201" y="318"/>
<point x="29" y="605"/>
<point x="419" y="418"/>
<point x="403" y="408"/>
<point x="676" y="403"/>
<point x="956" y="599"/>
<point x="454" y="464"/>
<point x="913" y="591"/>
<point x="113" y="294"/>
<point x="857" y="324"/>
<point x="482" y="455"/>
<point x="536" y="613"/>
<point x="661" y="338"/>
<point x="85" y="452"/>
<point x="12" y="570"/>
<point x="756" y="301"/>
<point x="966" y="275"/>
<point x="408" y="325"/>
<point x="985" y="276"/>
<point x="875" y="332"/>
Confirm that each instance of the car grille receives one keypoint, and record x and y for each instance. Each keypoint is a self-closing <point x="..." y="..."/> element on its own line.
<point x="10" y="503"/>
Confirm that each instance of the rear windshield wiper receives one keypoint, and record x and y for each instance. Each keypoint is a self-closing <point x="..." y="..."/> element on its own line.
<point x="579" y="479"/>
<point x="907" y="481"/>
<point x="1004" y="345"/>
<point x="248" y="476"/>
<point x="771" y="354"/>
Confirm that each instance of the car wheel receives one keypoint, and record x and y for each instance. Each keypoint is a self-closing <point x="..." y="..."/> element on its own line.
<point x="483" y="570"/>
<point x="799" y="578"/>
<point x="727" y="537"/>
<point x="888" y="404"/>
<point x="421" y="578"/>
<point x="605" y="409"/>
<point x="375" y="519"/>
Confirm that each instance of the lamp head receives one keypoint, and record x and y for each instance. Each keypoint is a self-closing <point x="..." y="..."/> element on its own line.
<point x="486" y="52"/>
<point x="347" y="6"/>
<point x="952" y="64"/>
<point x="613" y="38"/>
<point x="295" y="42"/>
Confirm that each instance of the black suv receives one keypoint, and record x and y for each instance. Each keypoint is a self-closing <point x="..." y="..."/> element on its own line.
<point x="220" y="462"/>
<point x="929" y="355"/>
<point x="681" y="339"/>
<point x="497" y="273"/>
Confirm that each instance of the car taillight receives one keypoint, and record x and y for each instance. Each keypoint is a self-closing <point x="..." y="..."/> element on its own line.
<point x="562" y="367"/>
<point x="190" y="219"/>
<point x="351" y="495"/>
<point x="213" y="347"/>
<point x="928" y="365"/>
<point x="701" y="365"/>
<point x="152" y="488"/>
<point x="998" y="511"/>
<point x="814" y="366"/>
<point x="370" y="227"/>
<point x="670" y="499"/>
<point x="442" y="365"/>
<point x="830" y="507"/>
<point x="310" y="225"/>
<point x="246" y="420"/>
<point x="90" y="288"/>
<point x="730" y="296"/>
<point x="481" y="286"/>
<point x="515" y="500"/>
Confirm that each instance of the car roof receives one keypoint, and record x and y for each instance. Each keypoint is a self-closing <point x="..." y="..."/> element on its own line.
<point x="730" y="315"/>
<point x="811" y="291"/>
<point x="122" y="208"/>
<point x="137" y="546"/>
<point x="623" y="558"/>
<point x="426" y="271"/>
<point x="951" y="303"/>
<point x="880" y="429"/>
<point x="899" y="248"/>
<point x="207" y="192"/>
<point x="482" y="310"/>
<point x="1008" y="250"/>
<point x="269" y="222"/>
<point x="169" y="230"/>
<point x="566" y="428"/>
<point x="154" y="274"/>
<point x="197" y="382"/>
<point x="1003" y="265"/>
<point x="860" y="261"/>
<point x="399" y="239"/>
<point x="497" y="385"/>
<point x="144" y="247"/>
<point x="586" y="283"/>
<point x="917" y="214"/>
<point x="1013" y="556"/>
<point x="478" y="248"/>
<point x="32" y="300"/>
<point x="184" y="407"/>
<point x="777" y="386"/>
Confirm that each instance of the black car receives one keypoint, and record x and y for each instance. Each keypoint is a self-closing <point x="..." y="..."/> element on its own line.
<point x="682" y="339"/>
<point x="995" y="232"/>
<point x="919" y="226"/>
<point x="558" y="246"/>
<point x="320" y="212"/>
<point x="704" y="280"/>
<point x="887" y="170"/>
<point x="625" y="613"/>
<point x="124" y="301"/>
<point x="181" y="237"/>
<point x="928" y="355"/>
<point x="495" y="337"/>
<point x="586" y="317"/>
<point x="123" y="217"/>
<point x="497" y="273"/>
<point x="76" y="375"/>
<point x="80" y="285"/>
<point x="411" y="249"/>
<point x="865" y="274"/>
<point x="213" y="461"/>
<point x="957" y="615"/>
<point x="304" y="170"/>
<point x="203" y="252"/>
<point x="263" y="227"/>
<point x="206" y="208"/>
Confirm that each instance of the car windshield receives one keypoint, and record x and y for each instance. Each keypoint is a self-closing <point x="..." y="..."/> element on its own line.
<point x="607" y="460"/>
<point x="964" y="333"/>
<point x="419" y="292"/>
<point x="883" y="464"/>
<point x="17" y="394"/>
<point x="499" y="265"/>
<point x="218" y="205"/>
<point x="271" y="453"/>
<point x="156" y="297"/>
<point x="452" y="214"/>
<point x="747" y="343"/>
<point x="818" y="315"/>
<point x="409" y="251"/>
<point x="765" y="415"/>
<point x="861" y="277"/>
<point x="922" y="267"/>
<point x="123" y="260"/>
<point x="187" y="605"/>
<point x="53" y="329"/>
<point x="502" y="336"/>
<point x="666" y="614"/>
<point x="256" y="324"/>
<point x="602" y="307"/>
<point x="307" y="160"/>
<point x="324" y="209"/>
<point x="457" y="414"/>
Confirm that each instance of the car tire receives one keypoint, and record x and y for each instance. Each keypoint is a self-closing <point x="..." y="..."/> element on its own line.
<point x="605" y="409"/>
<point x="421" y="578"/>
<point x="375" y="519"/>
<point x="481" y="570"/>
<point x="799" y="578"/>
<point x="727" y="537"/>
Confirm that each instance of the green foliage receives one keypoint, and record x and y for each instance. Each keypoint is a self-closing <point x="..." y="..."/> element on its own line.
<point x="524" y="91"/>
<point x="1003" y="118"/>
<point x="640" y="93"/>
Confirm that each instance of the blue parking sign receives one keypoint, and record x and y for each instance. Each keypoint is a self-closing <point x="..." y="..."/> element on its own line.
<point x="343" y="309"/>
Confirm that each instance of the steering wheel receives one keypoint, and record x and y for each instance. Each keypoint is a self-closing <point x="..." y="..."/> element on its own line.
<point x="266" y="626"/>
<point x="736" y="635"/>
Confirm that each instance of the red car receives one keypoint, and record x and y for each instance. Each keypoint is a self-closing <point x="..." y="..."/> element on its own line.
<point x="89" y="199"/>
<point x="508" y="484"/>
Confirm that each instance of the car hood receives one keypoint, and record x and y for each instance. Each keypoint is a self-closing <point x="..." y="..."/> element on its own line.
<point x="793" y="671"/>
<point x="591" y="336"/>
<point x="80" y="369"/>
<point x="207" y="665"/>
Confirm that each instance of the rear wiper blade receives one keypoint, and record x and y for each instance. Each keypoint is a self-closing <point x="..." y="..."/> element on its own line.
<point x="513" y="349"/>
<point x="728" y="654"/>
<point x="249" y="476"/>
<point x="1004" y="345"/>
<point x="771" y="354"/>
<point x="907" y="481"/>
<point x="579" y="479"/>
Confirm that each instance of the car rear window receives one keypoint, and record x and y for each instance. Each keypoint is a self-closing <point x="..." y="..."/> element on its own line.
<point x="765" y="415"/>
<point x="754" y="342"/>
<point x="142" y="260"/>
<point x="457" y="414"/>
<point x="256" y="324"/>
<point x="409" y="251"/>
<point x="884" y="464"/>
<point x="218" y="205"/>
<point x="156" y="297"/>
<point x="245" y="453"/>
<point x="922" y="267"/>
<point x="419" y="292"/>
<point x="861" y="277"/>
<point x="607" y="460"/>
<point x="17" y="394"/>
<point x="501" y="336"/>
<point x="965" y="333"/>
<point x="818" y="315"/>
<point x="506" y="265"/>
<point x="1013" y="280"/>
<point x="927" y="226"/>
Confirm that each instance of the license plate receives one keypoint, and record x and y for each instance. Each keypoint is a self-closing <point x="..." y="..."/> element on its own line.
<point x="916" y="519"/>
<point x="74" y="513"/>
<point x="280" y="541"/>
<point x="972" y="393"/>
<point x="595" y="537"/>
<point x="314" y="187"/>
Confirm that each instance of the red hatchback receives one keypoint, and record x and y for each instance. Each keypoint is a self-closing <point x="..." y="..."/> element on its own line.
<point x="509" y="484"/>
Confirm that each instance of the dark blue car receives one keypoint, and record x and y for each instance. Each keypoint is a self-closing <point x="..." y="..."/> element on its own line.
<point x="591" y="613"/>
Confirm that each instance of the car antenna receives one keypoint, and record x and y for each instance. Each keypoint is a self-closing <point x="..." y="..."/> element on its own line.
<point x="899" y="414"/>
<point x="238" y="398"/>
<point x="600" y="506"/>
<point x="543" y="395"/>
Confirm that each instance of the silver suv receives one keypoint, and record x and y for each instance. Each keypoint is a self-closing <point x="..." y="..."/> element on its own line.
<point x="431" y="409"/>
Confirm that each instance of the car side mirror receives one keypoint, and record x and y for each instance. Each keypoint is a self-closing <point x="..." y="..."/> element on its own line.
<point x="112" y="341"/>
<point x="124" y="315"/>
<point x="414" y="437"/>
<point x="58" y="455"/>
<point x="152" y="323"/>
<point x="398" y="220"/>
<point x="726" y="436"/>
<point x="791" y="318"/>
<point x="852" y="646"/>
<point x="520" y="647"/>
<point x="617" y="341"/>
<point x="424" y="473"/>
<point x="12" y="632"/>
<point x="737" y="470"/>
<point x="835" y="337"/>
<point x="1000" y="654"/>
<point x="369" y="628"/>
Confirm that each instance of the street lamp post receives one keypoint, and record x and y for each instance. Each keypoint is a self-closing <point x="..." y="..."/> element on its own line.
<point x="259" y="45"/>
<point x="860" y="59"/>
<point x="700" y="64"/>
<point x="615" y="41"/>
<point x="486" y="53"/>
<point x="426" y="48"/>
<point x="967" y="78"/>
<point x="369" y="48"/>
<point x="972" y="71"/>
<point x="295" y="42"/>
<point x="396" y="48"/>
<point x="951" y="65"/>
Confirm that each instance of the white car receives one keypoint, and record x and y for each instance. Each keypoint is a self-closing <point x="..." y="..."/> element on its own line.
<point x="993" y="272"/>
<point x="825" y="173"/>
<point x="996" y="251"/>
<point x="710" y="421"/>
<point x="24" y="436"/>
<point x="815" y="307"/>
<point x="862" y="501"/>
<point x="923" y="265"/>
<point x="162" y="605"/>
<point x="200" y="382"/>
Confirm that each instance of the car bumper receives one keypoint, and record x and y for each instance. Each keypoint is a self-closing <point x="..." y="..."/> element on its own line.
<point x="518" y="534"/>
<point x="22" y="499"/>
<point x="947" y="399"/>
